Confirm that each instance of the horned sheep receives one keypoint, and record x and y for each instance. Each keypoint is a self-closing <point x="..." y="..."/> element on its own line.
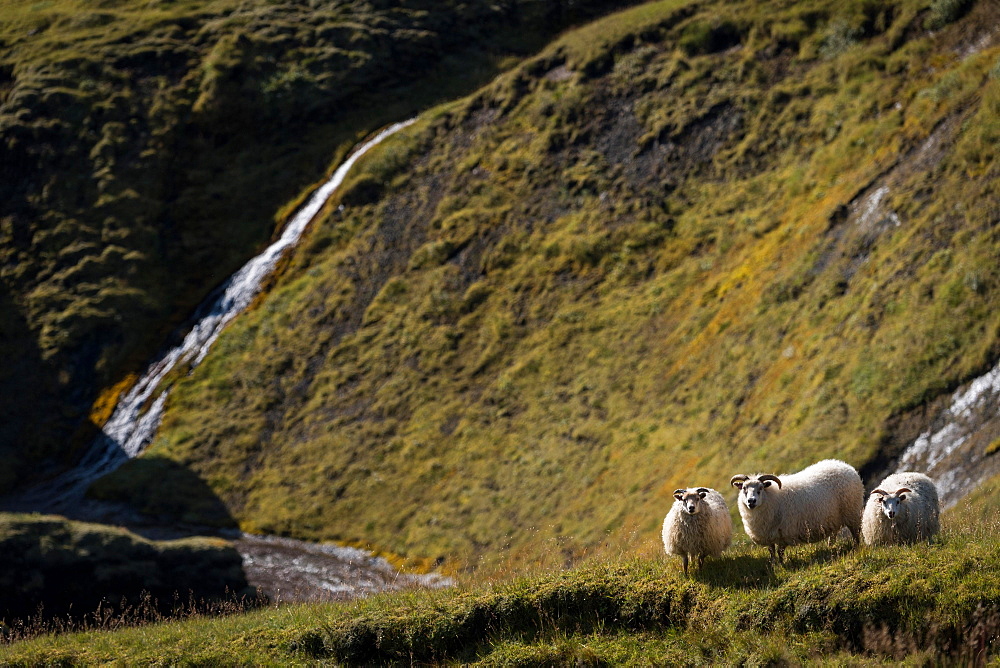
<point x="904" y="509"/>
<point x="802" y="507"/>
<point x="698" y="525"/>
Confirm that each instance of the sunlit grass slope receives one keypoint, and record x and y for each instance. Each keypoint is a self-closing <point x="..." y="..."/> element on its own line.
<point x="687" y="241"/>
<point x="147" y="150"/>
<point x="927" y="603"/>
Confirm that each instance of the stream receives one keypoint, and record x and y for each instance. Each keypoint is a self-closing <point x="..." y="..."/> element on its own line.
<point x="953" y="449"/>
<point x="284" y="569"/>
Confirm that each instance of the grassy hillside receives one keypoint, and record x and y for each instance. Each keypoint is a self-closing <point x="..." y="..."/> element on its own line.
<point x="923" y="604"/>
<point x="147" y="150"/>
<point x="686" y="241"/>
<point x="53" y="568"/>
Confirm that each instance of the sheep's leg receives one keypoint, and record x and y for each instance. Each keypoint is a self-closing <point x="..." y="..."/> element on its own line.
<point x="684" y="559"/>
<point x="856" y="534"/>
<point x="773" y="550"/>
<point x="701" y="561"/>
<point x="781" y="555"/>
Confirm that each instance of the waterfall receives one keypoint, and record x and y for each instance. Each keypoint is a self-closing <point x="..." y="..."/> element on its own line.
<point x="952" y="450"/>
<point x="132" y="425"/>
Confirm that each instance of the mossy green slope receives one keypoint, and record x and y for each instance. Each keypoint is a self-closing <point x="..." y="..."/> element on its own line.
<point x="147" y="150"/>
<point x="919" y="604"/>
<point x="689" y="240"/>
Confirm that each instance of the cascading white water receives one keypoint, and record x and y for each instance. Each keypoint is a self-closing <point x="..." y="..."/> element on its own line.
<point x="131" y="428"/>
<point x="952" y="450"/>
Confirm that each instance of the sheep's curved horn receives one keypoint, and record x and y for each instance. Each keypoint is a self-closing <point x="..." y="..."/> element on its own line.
<point x="880" y="491"/>
<point x="679" y="491"/>
<point x="706" y="490"/>
<point x="902" y="490"/>
<point x="768" y="476"/>
<point x="738" y="478"/>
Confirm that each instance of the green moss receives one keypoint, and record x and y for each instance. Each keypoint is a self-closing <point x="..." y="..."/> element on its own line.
<point x="701" y="37"/>
<point x="943" y="12"/>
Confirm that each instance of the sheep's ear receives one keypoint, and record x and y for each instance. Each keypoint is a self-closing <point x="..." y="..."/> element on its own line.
<point x="703" y="492"/>
<point x="766" y="483"/>
<point x="738" y="480"/>
<point x="679" y="494"/>
<point x="902" y="497"/>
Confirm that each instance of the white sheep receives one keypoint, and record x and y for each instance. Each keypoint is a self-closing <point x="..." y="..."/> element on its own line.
<point x="803" y="507"/>
<point x="697" y="526"/>
<point x="904" y="509"/>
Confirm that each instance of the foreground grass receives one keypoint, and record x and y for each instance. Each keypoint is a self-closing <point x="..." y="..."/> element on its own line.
<point x="923" y="603"/>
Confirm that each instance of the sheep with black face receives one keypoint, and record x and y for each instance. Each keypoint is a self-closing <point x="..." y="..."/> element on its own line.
<point x="903" y="510"/>
<point x="697" y="526"/>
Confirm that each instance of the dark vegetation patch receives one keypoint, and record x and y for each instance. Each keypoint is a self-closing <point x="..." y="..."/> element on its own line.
<point x="55" y="569"/>
<point x="164" y="492"/>
<point x="943" y="12"/>
<point x="709" y="36"/>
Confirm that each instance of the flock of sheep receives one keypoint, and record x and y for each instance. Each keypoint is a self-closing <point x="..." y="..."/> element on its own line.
<point x="803" y="507"/>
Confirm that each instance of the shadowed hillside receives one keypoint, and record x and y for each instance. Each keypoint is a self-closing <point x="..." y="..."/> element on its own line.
<point x="54" y="568"/>
<point x="687" y="240"/>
